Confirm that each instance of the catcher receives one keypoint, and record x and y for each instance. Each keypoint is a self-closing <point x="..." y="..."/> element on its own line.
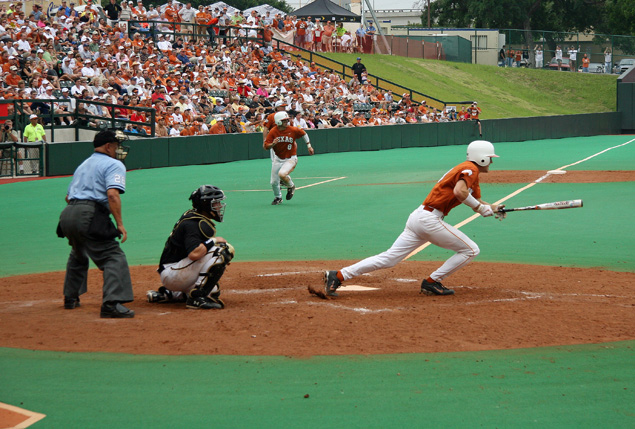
<point x="194" y="259"/>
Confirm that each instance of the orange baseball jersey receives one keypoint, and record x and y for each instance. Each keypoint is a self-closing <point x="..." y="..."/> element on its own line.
<point x="442" y="198"/>
<point x="474" y="111"/>
<point x="285" y="145"/>
<point x="270" y="122"/>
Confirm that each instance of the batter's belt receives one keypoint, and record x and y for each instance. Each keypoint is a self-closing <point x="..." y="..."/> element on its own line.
<point x="434" y="211"/>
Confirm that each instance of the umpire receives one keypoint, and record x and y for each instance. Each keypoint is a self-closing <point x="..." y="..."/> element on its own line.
<point x="92" y="196"/>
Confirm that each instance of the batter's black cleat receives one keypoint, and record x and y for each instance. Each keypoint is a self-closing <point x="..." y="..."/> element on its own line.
<point x="331" y="283"/>
<point x="435" y="288"/>
<point x="71" y="303"/>
<point x="290" y="192"/>
<point x="165" y="296"/>
<point x="201" y="303"/>
<point x="115" y="310"/>
<point x="276" y="201"/>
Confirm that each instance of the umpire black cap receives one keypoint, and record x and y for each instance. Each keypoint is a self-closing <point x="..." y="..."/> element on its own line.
<point x="104" y="137"/>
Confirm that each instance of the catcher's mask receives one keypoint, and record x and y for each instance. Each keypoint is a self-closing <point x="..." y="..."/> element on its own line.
<point x="110" y="136"/>
<point x="209" y="199"/>
<point x="122" y="151"/>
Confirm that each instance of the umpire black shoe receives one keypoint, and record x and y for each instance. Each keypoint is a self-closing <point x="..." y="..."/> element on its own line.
<point x="71" y="303"/>
<point x="201" y="303"/>
<point x="435" y="288"/>
<point x="276" y="201"/>
<point x="290" y="192"/>
<point x="115" y="310"/>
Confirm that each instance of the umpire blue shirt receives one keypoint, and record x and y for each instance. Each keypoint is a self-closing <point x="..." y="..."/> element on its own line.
<point x="95" y="176"/>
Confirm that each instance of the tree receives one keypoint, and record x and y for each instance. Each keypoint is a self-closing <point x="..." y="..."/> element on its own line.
<point x="555" y="17"/>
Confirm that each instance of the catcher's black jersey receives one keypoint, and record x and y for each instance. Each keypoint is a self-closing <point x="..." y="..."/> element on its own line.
<point x="190" y="231"/>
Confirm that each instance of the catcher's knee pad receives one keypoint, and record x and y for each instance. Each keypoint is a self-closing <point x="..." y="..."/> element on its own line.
<point x="227" y="252"/>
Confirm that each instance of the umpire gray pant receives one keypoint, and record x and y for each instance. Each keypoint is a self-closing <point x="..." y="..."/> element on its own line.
<point x="75" y="222"/>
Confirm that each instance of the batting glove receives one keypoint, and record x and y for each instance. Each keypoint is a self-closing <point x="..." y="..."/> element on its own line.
<point x="485" y="210"/>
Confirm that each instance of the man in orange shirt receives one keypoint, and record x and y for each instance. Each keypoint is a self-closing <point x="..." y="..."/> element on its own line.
<point x="170" y="12"/>
<point x="202" y="18"/>
<point x="459" y="185"/>
<point x="300" y="33"/>
<point x="327" y="37"/>
<point x="359" y="120"/>
<point x="474" y="111"/>
<point x="282" y="139"/>
<point x="13" y="78"/>
<point x="218" y="128"/>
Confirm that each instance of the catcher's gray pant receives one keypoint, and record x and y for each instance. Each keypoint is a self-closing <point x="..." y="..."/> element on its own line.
<point x="75" y="222"/>
<point x="422" y="226"/>
<point x="185" y="275"/>
<point x="280" y="170"/>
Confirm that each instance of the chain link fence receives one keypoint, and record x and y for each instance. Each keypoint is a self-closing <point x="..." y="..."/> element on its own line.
<point x="22" y="159"/>
<point x="605" y="51"/>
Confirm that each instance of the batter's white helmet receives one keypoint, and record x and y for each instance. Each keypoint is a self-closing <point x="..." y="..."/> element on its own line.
<point x="279" y="117"/>
<point x="481" y="152"/>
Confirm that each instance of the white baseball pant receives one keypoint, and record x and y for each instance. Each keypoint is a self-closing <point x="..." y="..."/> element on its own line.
<point x="185" y="275"/>
<point x="280" y="170"/>
<point x="422" y="226"/>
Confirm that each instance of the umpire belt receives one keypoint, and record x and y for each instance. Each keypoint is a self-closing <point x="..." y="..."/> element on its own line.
<point x="88" y="202"/>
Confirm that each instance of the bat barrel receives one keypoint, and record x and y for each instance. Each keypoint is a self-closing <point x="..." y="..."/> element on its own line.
<point x="567" y="204"/>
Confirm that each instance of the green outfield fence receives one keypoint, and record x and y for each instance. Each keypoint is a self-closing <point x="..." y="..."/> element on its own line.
<point x="63" y="158"/>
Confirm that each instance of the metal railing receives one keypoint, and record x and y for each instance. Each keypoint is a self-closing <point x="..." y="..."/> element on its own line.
<point x="346" y="72"/>
<point x="52" y="119"/>
<point x="215" y="33"/>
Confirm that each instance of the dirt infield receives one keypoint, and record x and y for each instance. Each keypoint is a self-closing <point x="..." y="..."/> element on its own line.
<point x="528" y="176"/>
<point x="270" y="312"/>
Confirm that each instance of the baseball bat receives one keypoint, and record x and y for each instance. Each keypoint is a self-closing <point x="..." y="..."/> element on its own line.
<point x="567" y="204"/>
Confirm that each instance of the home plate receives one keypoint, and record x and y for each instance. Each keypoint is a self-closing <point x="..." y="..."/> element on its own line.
<point x="355" y="288"/>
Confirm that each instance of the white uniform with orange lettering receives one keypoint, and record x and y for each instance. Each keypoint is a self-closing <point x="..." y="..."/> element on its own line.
<point x="426" y="224"/>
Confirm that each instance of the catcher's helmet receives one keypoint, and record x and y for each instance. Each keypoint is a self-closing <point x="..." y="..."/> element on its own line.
<point x="481" y="152"/>
<point x="209" y="199"/>
<point x="112" y="136"/>
<point x="279" y="117"/>
<point x="122" y="151"/>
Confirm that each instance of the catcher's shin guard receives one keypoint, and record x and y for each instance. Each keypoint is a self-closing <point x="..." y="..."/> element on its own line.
<point x="209" y="282"/>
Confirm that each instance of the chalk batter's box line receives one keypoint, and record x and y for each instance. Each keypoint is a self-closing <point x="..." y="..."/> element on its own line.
<point x="330" y="179"/>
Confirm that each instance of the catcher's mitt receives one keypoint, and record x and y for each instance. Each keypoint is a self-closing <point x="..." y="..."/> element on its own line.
<point x="227" y="251"/>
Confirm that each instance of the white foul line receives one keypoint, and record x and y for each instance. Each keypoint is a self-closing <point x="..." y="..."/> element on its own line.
<point x="518" y="191"/>
<point x="319" y="183"/>
<point x="299" y="187"/>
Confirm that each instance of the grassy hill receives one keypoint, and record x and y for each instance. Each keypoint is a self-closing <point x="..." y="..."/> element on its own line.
<point x="500" y="92"/>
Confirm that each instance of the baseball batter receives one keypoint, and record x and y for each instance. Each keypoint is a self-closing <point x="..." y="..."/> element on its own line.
<point x="459" y="185"/>
<point x="194" y="258"/>
<point x="282" y="139"/>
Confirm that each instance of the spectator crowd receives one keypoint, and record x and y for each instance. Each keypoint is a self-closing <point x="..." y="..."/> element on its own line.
<point x="220" y="76"/>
